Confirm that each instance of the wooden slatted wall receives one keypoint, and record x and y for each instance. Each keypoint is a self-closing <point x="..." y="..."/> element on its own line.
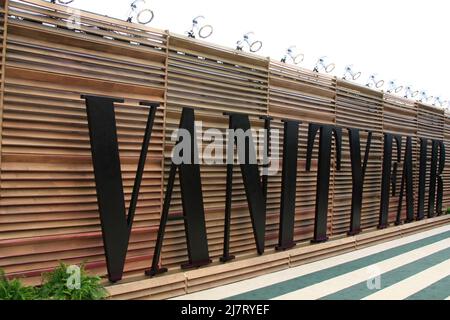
<point x="48" y="202"/>
<point x="212" y="81"/>
<point x="3" y="24"/>
<point x="307" y="97"/>
<point x="358" y="107"/>
<point x="430" y="123"/>
<point x="48" y="209"/>
<point x="446" y="203"/>
<point x="400" y="118"/>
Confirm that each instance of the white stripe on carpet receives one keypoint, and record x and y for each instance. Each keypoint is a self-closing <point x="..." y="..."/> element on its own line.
<point x="414" y="284"/>
<point x="240" y="287"/>
<point x="339" y="283"/>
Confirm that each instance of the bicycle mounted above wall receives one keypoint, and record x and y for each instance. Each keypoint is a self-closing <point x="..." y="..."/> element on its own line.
<point x="200" y="29"/>
<point x="249" y="41"/>
<point x="238" y="75"/>
<point x="140" y="12"/>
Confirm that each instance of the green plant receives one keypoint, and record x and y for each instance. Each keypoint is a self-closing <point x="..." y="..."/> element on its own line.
<point x="448" y="210"/>
<point x="15" y="290"/>
<point x="55" y="285"/>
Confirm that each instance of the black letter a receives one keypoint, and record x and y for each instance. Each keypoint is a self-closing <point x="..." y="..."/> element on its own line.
<point x="192" y="199"/>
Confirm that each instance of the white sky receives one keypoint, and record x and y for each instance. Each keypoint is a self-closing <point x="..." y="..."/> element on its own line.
<point x="406" y="40"/>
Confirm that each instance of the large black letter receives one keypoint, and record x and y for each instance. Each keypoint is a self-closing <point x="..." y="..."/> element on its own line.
<point x="440" y="190"/>
<point x="288" y="186"/>
<point x="437" y="154"/>
<point x="433" y="178"/>
<point x="116" y="226"/>
<point x="407" y="178"/>
<point x="267" y="153"/>
<point x="422" y="178"/>
<point x="192" y="200"/>
<point x="436" y="171"/>
<point x="323" y="173"/>
<point x="252" y="183"/>
<point x="358" y="175"/>
<point x="388" y="177"/>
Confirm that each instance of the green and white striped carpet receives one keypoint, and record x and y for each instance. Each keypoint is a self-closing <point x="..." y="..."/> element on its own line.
<point x="414" y="267"/>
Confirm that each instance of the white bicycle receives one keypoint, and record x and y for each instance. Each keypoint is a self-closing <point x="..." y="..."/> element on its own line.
<point x="438" y="102"/>
<point x="410" y="92"/>
<point x="350" y="74"/>
<point x="424" y="97"/>
<point x="202" y="30"/>
<point x="393" y="87"/>
<point x="293" y="55"/>
<point x="373" y="81"/>
<point x="324" y="64"/>
<point x="138" y="12"/>
<point x="253" y="45"/>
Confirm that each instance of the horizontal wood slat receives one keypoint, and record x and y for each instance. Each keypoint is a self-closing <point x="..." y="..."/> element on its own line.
<point x="431" y="125"/>
<point x="360" y="108"/>
<point x="447" y="163"/>
<point x="47" y="189"/>
<point x="211" y="82"/>
<point x="48" y="206"/>
<point x="400" y="117"/>
<point x="303" y="96"/>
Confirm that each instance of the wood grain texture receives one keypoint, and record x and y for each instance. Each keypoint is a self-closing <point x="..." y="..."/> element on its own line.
<point x="48" y="207"/>
<point x="361" y="108"/>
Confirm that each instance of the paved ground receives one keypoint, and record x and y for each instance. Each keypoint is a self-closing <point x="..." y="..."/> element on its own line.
<point x="415" y="267"/>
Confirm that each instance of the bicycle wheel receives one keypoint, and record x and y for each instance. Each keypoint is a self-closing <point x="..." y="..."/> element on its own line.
<point x="379" y="84"/>
<point x="256" y="46"/>
<point x="330" y="67"/>
<point x="399" y="89"/>
<point x="145" y="16"/>
<point x="205" y="31"/>
<point x="298" y="58"/>
<point x="356" y="76"/>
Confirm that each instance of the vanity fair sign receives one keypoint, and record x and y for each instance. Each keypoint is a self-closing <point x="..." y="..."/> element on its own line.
<point x="117" y="223"/>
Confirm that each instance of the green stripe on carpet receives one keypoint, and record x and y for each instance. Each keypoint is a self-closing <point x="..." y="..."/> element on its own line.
<point x="301" y="282"/>
<point x="360" y="290"/>
<point x="437" y="291"/>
